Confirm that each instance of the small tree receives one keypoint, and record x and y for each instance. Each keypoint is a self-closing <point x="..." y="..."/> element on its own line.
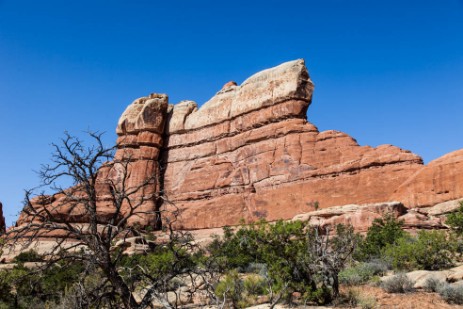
<point x="455" y="220"/>
<point x="429" y="250"/>
<point x="384" y="231"/>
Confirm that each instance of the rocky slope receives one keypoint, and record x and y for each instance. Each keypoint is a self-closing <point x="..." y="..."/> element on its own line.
<point x="249" y="152"/>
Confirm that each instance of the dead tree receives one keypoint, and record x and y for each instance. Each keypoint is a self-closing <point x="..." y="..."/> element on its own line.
<point x="89" y="217"/>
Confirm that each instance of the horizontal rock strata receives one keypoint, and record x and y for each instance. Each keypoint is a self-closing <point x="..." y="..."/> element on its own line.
<point x="361" y="217"/>
<point x="250" y="153"/>
<point x="439" y="181"/>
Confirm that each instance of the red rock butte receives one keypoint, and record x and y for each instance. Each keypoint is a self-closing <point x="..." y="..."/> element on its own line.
<point x="2" y="220"/>
<point x="250" y="152"/>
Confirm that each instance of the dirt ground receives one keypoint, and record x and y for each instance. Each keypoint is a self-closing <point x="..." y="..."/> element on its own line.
<point x="415" y="300"/>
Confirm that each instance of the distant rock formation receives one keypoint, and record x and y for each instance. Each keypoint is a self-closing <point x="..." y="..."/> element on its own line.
<point x="250" y="153"/>
<point x="2" y="220"/>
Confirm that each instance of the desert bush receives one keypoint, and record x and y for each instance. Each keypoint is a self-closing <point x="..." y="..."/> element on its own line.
<point x="257" y="268"/>
<point x="455" y="220"/>
<point x="362" y="272"/>
<point x="432" y="284"/>
<point x="452" y="294"/>
<point x="28" y="256"/>
<point x="378" y="266"/>
<point x="355" y="299"/>
<point x="352" y="276"/>
<point x="254" y="285"/>
<point x="383" y="232"/>
<point x="367" y="302"/>
<point x="429" y="250"/>
<point x="351" y="298"/>
<point x="398" y="284"/>
<point x="230" y="290"/>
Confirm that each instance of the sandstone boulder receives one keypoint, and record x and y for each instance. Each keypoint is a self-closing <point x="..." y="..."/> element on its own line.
<point x="359" y="216"/>
<point x="441" y="209"/>
<point x="420" y="277"/>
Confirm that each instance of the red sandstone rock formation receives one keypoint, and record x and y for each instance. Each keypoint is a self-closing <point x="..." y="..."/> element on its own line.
<point x="140" y="131"/>
<point x="249" y="152"/>
<point x="439" y="181"/>
<point x="362" y="216"/>
<point x="140" y="138"/>
<point x="2" y="220"/>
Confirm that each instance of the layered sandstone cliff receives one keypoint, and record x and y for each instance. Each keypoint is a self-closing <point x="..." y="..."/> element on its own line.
<point x="249" y="152"/>
<point x="439" y="181"/>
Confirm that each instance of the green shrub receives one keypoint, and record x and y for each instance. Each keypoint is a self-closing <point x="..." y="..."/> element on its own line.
<point x="230" y="289"/>
<point x="452" y="294"/>
<point x="455" y="220"/>
<point x="38" y="287"/>
<point x="432" y="284"/>
<point x="362" y="272"/>
<point x="28" y="256"/>
<point x="6" y="289"/>
<point x="352" y="276"/>
<point x="254" y="285"/>
<point x="383" y="232"/>
<point x="398" y="284"/>
<point x="429" y="250"/>
<point x="293" y="257"/>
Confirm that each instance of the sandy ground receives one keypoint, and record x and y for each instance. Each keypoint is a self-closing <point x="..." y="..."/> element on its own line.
<point x="415" y="300"/>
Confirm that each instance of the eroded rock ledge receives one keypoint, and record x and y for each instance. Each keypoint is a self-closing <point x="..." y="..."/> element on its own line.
<point x="249" y="152"/>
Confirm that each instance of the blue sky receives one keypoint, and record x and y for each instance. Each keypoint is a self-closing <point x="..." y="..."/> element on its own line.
<point x="385" y="72"/>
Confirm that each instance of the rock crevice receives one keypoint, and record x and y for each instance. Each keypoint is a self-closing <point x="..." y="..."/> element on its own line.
<point x="2" y="220"/>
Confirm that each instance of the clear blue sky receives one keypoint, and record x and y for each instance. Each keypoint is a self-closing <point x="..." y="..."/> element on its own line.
<point x="386" y="72"/>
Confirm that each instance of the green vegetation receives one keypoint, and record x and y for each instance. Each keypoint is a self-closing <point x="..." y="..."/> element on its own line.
<point x="280" y="262"/>
<point x="398" y="284"/>
<point x="455" y="220"/>
<point x="28" y="256"/>
<point x="383" y="232"/>
<point x="297" y="258"/>
<point x="428" y="250"/>
<point x="451" y="294"/>
<point x="22" y="287"/>
<point x="362" y="272"/>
